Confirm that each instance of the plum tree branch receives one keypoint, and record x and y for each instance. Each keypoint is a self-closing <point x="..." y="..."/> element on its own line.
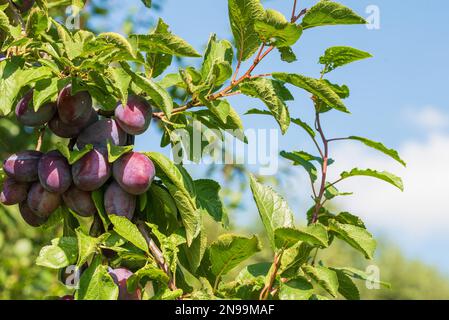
<point x="274" y="271"/>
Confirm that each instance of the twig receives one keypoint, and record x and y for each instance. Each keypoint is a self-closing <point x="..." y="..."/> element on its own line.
<point x="40" y="138"/>
<point x="268" y="287"/>
<point x="157" y="254"/>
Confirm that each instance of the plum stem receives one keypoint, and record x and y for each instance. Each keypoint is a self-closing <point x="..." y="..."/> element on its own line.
<point x="40" y="138"/>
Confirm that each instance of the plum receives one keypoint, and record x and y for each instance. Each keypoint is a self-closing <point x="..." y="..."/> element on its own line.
<point x="67" y="131"/>
<point x="100" y="132"/>
<point x="13" y="192"/>
<point x="119" y="202"/>
<point x="91" y="171"/>
<point x="42" y="202"/>
<point x="24" y="5"/>
<point x="120" y="277"/>
<point x="74" y="110"/>
<point x="134" y="117"/>
<point x="134" y="172"/>
<point x="79" y="201"/>
<point x="23" y="166"/>
<point x="28" y="117"/>
<point x="30" y="217"/>
<point x="54" y="172"/>
<point x="67" y="297"/>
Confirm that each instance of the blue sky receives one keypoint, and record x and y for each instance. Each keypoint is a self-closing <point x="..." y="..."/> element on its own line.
<point x="399" y="97"/>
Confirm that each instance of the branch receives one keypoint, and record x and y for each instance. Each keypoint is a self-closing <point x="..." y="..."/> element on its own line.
<point x="275" y="267"/>
<point x="157" y="254"/>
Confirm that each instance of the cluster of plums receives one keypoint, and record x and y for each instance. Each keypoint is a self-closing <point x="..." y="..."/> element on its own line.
<point x="40" y="183"/>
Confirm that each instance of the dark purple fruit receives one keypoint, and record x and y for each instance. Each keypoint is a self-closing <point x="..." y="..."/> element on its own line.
<point x="120" y="276"/>
<point x="74" y="110"/>
<point x="91" y="171"/>
<point x="135" y="117"/>
<point x="28" y="117"/>
<point x="23" y="5"/>
<point x="79" y="201"/>
<point x="100" y="132"/>
<point x="30" y="217"/>
<point x="134" y="172"/>
<point x="119" y="202"/>
<point x="13" y="192"/>
<point x="42" y="202"/>
<point x="64" y="130"/>
<point x="54" y="172"/>
<point x="23" y="166"/>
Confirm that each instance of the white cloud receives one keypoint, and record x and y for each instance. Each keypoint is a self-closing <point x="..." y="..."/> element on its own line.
<point x="421" y="212"/>
<point x="428" y="117"/>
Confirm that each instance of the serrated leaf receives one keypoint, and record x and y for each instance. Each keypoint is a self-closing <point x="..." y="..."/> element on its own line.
<point x="37" y="23"/>
<point x="315" y="234"/>
<point x="161" y="40"/>
<point x="302" y="159"/>
<point x="86" y="246"/>
<point x="328" y="12"/>
<point x="45" y="90"/>
<point x="335" y="57"/>
<point x="208" y="193"/>
<point x="325" y="277"/>
<point x="269" y="92"/>
<point x="147" y="273"/>
<point x="73" y="156"/>
<point x="118" y="41"/>
<point x="157" y="63"/>
<point x="115" y="152"/>
<point x="121" y="80"/>
<point x="357" y="237"/>
<point x="318" y="88"/>
<point x="61" y="253"/>
<point x="384" y="175"/>
<point x="346" y="286"/>
<point x="296" y="289"/>
<point x="273" y="209"/>
<point x="348" y="218"/>
<point x="379" y="147"/>
<point x="305" y="126"/>
<point x="129" y="231"/>
<point x="274" y="29"/>
<point x="217" y="51"/>
<point x="287" y="54"/>
<point x="242" y="15"/>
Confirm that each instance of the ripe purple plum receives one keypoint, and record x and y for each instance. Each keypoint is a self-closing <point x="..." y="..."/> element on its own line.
<point x="79" y="201"/>
<point x="100" y="132"/>
<point x="120" y="277"/>
<point x="54" y="172"/>
<point x="24" y="5"/>
<point x="64" y="130"/>
<point x="28" y="117"/>
<point x="23" y="166"/>
<point x="91" y="171"/>
<point x="134" y="117"/>
<point x="119" y="202"/>
<point x="42" y="202"/>
<point x="134" y="172"/>
<point x="30" y="217"/>
<point x="74" y="110"/>
<point x="13" y="192"/>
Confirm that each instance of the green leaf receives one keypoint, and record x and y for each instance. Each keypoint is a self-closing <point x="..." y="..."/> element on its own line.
<point x="335" y="57"/>
<point x="157" y="63"/>
<point x="121" y="80"/>
<point x="129" y="231"/>
<point x="158" y="95"/>
<point x="61" y="253"/>
<point x="118" y="41"/>
<point x="208" y="193"/>
<point x="357" y="237"/>
<point x="217" y="51"/>
<point x="315" y="234"/>
<point x="46" y="90"/>
<point x="331" y="192"/>
<point x="385" y="176"/>
<point x="303" y="159"/>
<point x="361" y="275"/>
<point x="270" y="92"/>
<point x="328" y="12"/>
<point x="161" y="40"/>
<point x="97" y="284"/>
<point x="348" y="218"/>
<point x="273" y="209"/>
<point x="182" y="189"/>
<point x="379" y="147"/>
<point x="287" y="54"/>
<point x="4" y="23"/>
<point x="274" y="29"/>
<point x="86" y="246"/>
<point x="346" y="286"/>
<point x="325" y="277"/>
<point x="115" y="152"/>
<point x="228" y="251"/>
<point x="297" y="289"/>
<point x="147" y="273"/>
<point x="74" y="155"/>
<point x="318" y="88"/>
<point x="243" y="15"/>
<point x="97" y="198"/>
<point x="293" y="258"/>
<point x="161" y="208"/>
<point x="195" y="252"/>
<point x="37" y="23"/>
<point x="147" y="3"/>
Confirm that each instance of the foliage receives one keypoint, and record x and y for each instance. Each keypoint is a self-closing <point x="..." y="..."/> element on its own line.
<point x="165" y="242"/>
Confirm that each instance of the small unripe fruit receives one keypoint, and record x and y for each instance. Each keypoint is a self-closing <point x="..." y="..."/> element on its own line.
<point x="134" y="172"/>
<point x="134" y="117"/>
<point x="23" y="166"/>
